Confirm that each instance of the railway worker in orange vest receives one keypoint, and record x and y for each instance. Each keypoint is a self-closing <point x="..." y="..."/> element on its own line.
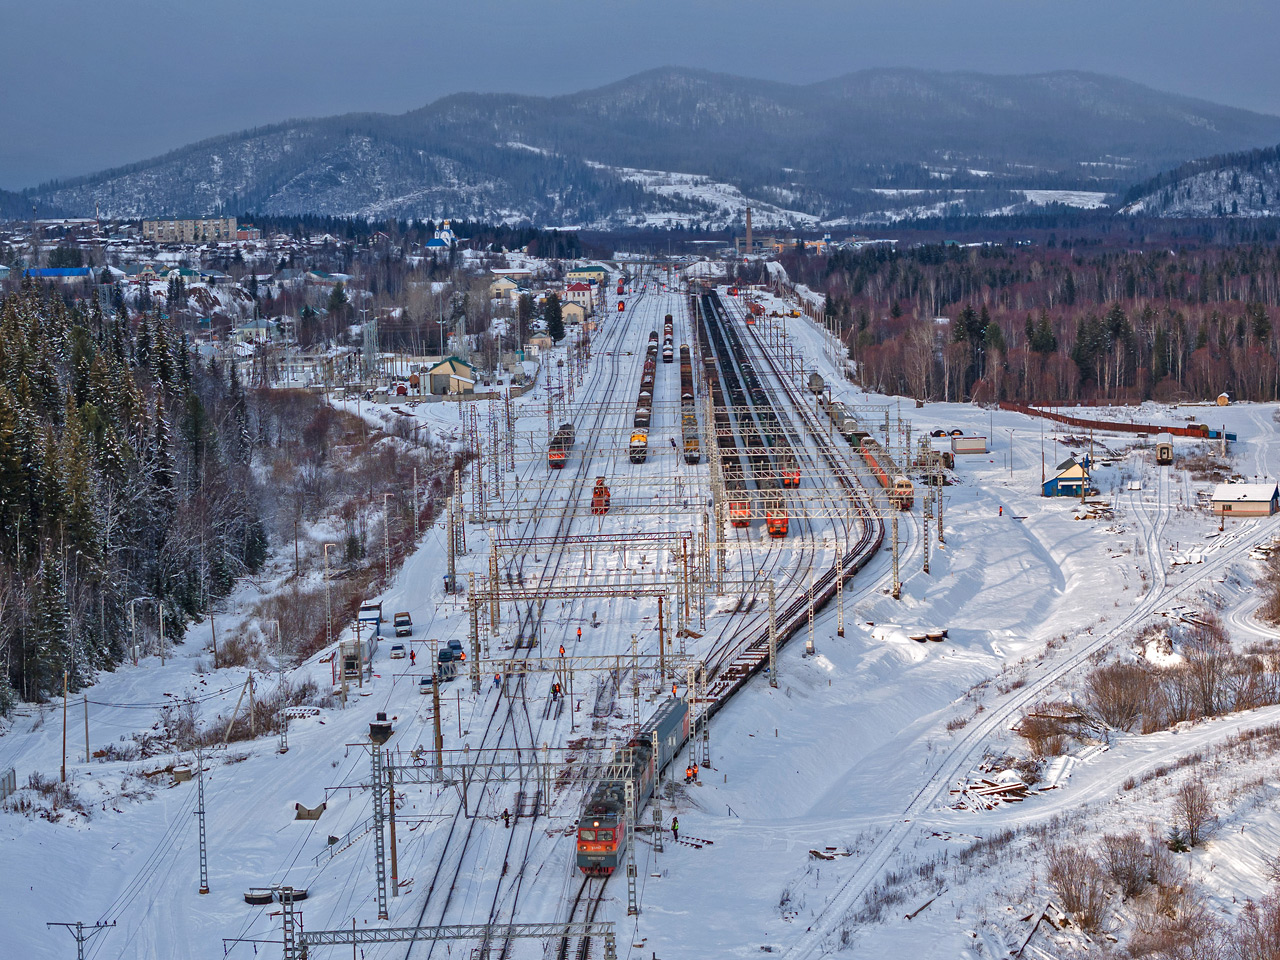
<point x="579" y="633"/>
<point x="688" y="774"/>
<point x="562" y="649"/>
<point x="695" y="773"/>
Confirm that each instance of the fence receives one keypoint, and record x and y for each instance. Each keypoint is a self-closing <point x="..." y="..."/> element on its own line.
<point x="1193" y="430"/>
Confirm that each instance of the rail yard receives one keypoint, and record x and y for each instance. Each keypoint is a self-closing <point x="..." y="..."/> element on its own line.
<point x="690" y="578"/>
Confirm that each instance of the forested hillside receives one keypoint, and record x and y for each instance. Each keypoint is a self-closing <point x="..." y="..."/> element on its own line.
<point x="1039" y="325"/>
<point x="1230" y="185"/>
<point x="124" y="473"/>
<point x="894" y="143"/>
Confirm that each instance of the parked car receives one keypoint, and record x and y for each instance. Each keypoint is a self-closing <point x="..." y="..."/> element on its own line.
<point x="458" y="653"/>
<point x="403" y="624"/>
<point x="446" y="667"/>
<point x="398" y="651"/>
<point x="424" y="685"/>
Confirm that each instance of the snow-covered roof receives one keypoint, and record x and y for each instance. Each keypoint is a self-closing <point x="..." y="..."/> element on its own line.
<point x="1244" y="492"/>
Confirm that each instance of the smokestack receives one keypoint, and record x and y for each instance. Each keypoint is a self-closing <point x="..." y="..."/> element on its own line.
<point x="749" y="247"/>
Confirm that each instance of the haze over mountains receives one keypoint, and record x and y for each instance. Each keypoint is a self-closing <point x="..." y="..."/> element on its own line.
<point x="870" y="146"/>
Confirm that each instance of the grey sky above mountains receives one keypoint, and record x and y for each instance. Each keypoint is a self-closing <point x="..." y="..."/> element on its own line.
<point x="87" y="86"/>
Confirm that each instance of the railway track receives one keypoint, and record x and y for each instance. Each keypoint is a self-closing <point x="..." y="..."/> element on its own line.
<point x="530" y="621"/>
<point x="733" y="665"/>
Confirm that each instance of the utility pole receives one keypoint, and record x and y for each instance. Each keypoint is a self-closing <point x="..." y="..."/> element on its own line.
<point x="284" y="717"/>
<point x="391" y="800"/>
<point x="86" y="728"/>
<point x="416" y="531"/>
<point x="386" y="541"/>
<point x="379" y="848"/>
<point x="928" y="515"/>
<point x="773" y="640"/>
<point x="435" y="703"/>
<point x="204" y="850"/>
<point x="64" y="726"/>
<point x="897" y="582"/>
<point x="328" y="601"/>
<point x="77" y="930"/>
<point x="633" y="905"/>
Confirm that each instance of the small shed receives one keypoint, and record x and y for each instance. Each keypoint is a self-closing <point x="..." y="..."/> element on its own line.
<point x="1164" y="449"/>
<point x="1071" y="480"/>
<point x="968" y="444"/>
<point x="1246" y="499"/>
<point x="451" y="375"/>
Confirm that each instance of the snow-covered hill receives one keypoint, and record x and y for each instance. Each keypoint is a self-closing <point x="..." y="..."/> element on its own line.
<point x="817" y="151"/>
<point x="1235" y="185"/>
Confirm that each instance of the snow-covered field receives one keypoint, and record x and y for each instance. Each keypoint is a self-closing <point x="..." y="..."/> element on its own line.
<point x="833" y="786"/>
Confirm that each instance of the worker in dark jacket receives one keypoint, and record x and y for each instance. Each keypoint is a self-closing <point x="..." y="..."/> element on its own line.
<point x="675" y="828"/>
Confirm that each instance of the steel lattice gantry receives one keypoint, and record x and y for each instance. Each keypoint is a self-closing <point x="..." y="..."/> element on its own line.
<point x="480" y="931"/>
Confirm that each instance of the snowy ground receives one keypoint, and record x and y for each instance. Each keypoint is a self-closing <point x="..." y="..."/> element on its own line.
<point x="853" y="753"/>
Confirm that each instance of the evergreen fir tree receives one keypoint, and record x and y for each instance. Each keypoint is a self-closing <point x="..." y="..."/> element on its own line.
<point x="48" y="644"/>
<point x="553" y="318"/>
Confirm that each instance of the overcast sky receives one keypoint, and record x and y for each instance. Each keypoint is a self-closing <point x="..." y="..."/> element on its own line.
<point x="85" y="86"/>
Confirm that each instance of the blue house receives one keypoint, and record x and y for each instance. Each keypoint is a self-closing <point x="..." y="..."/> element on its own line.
<point x="1072" y="478"/>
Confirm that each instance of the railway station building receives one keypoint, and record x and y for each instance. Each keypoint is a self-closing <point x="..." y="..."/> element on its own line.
<point x="1246" y="499"/>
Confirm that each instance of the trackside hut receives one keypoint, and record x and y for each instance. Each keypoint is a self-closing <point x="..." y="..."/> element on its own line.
<point x="1246" y="499"/>
<point x="1071" y="479"/>
<point x="451" y="375"/>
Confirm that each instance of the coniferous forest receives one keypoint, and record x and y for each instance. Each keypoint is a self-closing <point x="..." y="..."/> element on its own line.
<point x="1052" y="323"/>
<point x="124" y="474"/>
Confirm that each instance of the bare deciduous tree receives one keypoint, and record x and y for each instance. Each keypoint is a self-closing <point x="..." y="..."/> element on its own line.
<point x="1124" y="855"/>
<point x="1193" y="810"/>
<point x="1080" y="884"/>
<point x="1119" y="694"/>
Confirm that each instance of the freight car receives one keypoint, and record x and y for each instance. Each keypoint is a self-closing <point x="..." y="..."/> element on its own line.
<point x="602" y="828"/>
<point x="901" y="489"/>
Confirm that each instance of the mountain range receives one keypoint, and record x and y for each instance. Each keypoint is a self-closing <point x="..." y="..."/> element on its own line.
<point x="686" y="146"/>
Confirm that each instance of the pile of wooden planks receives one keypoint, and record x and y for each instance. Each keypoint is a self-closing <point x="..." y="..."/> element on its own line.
<point x="986" y="794"/>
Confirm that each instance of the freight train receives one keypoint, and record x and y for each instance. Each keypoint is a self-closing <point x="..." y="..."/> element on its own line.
<point x="602" y="828"/>
<point x="757" y="424"/>
<point x="901" y="489"/>
<point x="639" y="448"/>
<point x="730" y="464"/>
<point x="688" y="412"/>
